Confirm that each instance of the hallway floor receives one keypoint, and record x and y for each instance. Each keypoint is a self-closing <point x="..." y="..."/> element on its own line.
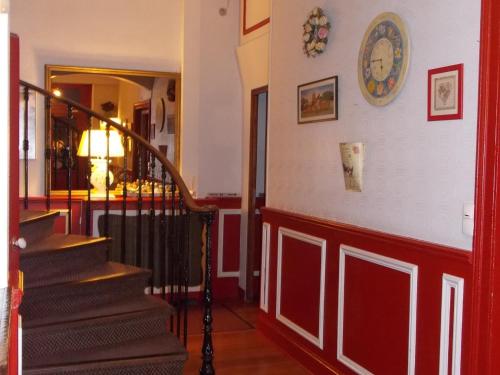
<point x="239" y="347"/>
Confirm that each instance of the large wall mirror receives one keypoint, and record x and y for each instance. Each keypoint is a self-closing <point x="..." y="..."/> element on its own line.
<point x="146" y="102"/>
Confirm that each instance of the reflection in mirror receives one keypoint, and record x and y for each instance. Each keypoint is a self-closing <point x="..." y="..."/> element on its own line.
<point x="146" y="102"/>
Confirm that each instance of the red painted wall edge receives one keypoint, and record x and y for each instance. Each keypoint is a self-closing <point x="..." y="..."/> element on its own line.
<point x="485" y="315"/>
<point x="13" y="203"/>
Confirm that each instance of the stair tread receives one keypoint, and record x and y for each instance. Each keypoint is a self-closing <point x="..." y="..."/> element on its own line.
<point x="165" y="345"/>
<point x="58" y="241"/>
<point x="105" y="271"/>
<point x="30" y="216"/>
<point x="141" y="303"/>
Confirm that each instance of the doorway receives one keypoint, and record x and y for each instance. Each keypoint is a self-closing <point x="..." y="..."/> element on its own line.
<point x="256" y="189"/>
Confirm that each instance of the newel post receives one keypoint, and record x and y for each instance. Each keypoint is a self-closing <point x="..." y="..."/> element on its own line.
<point x="207" y="349"/>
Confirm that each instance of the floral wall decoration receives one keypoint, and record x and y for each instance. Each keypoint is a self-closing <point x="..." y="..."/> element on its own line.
<point x="315" y="35"/>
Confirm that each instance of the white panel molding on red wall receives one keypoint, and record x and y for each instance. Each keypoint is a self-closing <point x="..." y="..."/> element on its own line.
<point x="457" y="284"/>
<point x="220" y="246"/>
<point x="394" y="264"/>
<point x="321" y="243"/>
<point x="264" y="268"/>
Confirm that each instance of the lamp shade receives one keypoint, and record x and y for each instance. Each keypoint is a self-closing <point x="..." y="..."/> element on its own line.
<point x="98" y="144"/>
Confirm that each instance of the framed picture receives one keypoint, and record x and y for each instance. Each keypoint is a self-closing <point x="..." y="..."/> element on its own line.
<point x="318" y="101"/>
<point x="445" y="93"/>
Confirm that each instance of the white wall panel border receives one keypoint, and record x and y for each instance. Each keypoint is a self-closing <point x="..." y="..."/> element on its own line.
<point x="394" y="264"/>
<point x="321" y="243"/>
<point x="457" y="284"/>
<point x="264" y="268"/>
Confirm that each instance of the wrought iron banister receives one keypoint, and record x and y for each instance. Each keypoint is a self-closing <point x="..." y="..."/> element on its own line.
<point x="190" y="202"/>
<point x="167" y="236"/>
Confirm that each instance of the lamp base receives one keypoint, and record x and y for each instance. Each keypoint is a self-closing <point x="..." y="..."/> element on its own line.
<point x="98" y="178"/>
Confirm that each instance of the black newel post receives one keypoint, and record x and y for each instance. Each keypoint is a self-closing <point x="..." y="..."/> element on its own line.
<point x="207" y="350"/>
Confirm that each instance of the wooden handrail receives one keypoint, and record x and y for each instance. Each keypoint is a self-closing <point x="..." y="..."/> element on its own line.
<point x="189" y="200"/>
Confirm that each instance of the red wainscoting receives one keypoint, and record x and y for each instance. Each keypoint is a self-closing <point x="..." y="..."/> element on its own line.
<point x="225" y="247"/>
<point x="343" y="299"/>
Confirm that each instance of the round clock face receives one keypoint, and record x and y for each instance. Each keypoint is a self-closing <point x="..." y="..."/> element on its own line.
<point x="383" y="59"/>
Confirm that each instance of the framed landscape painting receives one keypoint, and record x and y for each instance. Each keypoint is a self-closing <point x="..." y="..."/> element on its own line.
<point x="318" y="101"/>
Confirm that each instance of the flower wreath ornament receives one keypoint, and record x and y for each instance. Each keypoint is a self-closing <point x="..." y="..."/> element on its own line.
<point x="316" y="29"/>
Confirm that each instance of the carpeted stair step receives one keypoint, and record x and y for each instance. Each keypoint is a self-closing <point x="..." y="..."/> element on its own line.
<point x="58" y="257"/>
<point x="129" y="305"/>
<point x="100" y="286"/>
<point x="42" y="342"/>
<point x="160" y="355"/>
<point x="36" y="225"/>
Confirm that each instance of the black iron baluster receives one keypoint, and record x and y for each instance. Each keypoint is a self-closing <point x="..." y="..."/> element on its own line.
<point x="124" y="200"/>
<point x="207" y="350"/>
<point x="138" y="255"/>
<point x="26" y="146"/>
<point x="54" y="149"/>
<point x="185" y="264"/>
<point x="89" y="175"/>
<point x="152" y="223"/>
<point x="171" y="250"/>
<point x="163" y="245"/>
<point x="178" y="265"/>
<point x="69" y="156"/>
<point x="106" y="204"/>
<point x="48" y="151"/>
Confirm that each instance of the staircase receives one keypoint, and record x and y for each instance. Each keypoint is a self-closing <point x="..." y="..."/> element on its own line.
<point x="84" y="315"/>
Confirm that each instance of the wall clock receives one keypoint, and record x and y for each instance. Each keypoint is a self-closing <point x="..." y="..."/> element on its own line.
<point x="383" y="60"/>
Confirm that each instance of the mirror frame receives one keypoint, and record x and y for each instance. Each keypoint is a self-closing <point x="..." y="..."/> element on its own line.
<point x="51" y="69"/>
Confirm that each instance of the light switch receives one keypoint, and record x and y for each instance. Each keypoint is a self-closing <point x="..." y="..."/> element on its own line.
<point x="468" y="219"/>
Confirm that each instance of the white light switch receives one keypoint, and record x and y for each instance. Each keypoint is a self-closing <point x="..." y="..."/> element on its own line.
<point x="468" y="219"/>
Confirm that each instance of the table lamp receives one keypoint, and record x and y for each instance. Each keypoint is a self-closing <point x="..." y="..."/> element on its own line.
<point x="98" y="155"/>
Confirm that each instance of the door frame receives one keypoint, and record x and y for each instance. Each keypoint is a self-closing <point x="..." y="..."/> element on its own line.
<point x="252" y="181"/>
<point x="485" y="304"/>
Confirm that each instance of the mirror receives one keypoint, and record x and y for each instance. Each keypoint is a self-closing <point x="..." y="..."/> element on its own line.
<point x="144" y="101"/>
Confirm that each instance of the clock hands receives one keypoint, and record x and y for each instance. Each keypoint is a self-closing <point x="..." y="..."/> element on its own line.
<point x="380" y="61"/>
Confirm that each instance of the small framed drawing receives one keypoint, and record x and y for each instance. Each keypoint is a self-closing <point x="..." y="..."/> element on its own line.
<point x="318" y="101"/>
<point x="445" y="93"/>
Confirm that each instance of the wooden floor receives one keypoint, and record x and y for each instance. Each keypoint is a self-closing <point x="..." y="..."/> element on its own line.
<point x="239" y="347"/>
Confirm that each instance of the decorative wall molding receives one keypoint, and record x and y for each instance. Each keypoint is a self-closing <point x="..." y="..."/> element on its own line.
<point x="220" y="246"/>
<point x="264" y="280"/>
<point x="247" y="27"/>
<point x="456" y="284"/>
<point x="394" y="264"/>
<point x="321" y="243"/>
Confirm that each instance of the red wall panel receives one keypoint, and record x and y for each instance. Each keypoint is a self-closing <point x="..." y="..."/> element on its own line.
<point x="376" y="317"/>
<point x="377" y="336"/>
<point x="231" y="259"/>
<point x="300" y="283"/>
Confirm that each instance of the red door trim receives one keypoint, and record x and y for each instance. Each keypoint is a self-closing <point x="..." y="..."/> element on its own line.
<point x="486" y="250"/>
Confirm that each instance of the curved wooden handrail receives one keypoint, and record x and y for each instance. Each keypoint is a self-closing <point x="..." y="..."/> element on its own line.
<point x="189" y="200"/>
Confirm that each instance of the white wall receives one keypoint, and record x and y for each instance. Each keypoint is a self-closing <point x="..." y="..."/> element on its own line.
<point x="253" y="59"/>
<point x="417" y="174"/>
<point x="135" y="34"/>
<point x="211" y="102"/>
